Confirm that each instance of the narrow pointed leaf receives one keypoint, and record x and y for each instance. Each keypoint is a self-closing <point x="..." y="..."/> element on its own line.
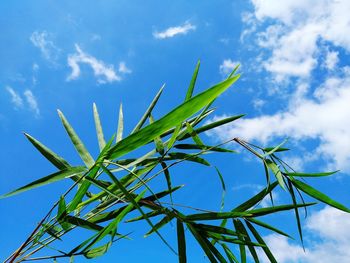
<point x="202" y="243"/>
<point x="173" y="118"/>
<point x="231" y="257"/>
<point x="255" y="199"/>
<point x="66" y="173"/>
<point x="212" y="125"/>
<point x="160" y="224"/>
<point x="202" y="147"/>
<point x="223" y="188"/>
<point x="267" y="226"/>
<point x="188" y="157"/>
<point x="193" y="134"/>
<point x="99" y="131"/>
<point x="318" y="195"/>
<point x="193" y="82"/>
<point x="274" y="168"/>
<point x="97" y="252"/>
<point x="216" y="216"/>
<point x="181" y="242"/>
<point x="79" y="146"/>
<point x="54" y="158"/>
<point x="275" y="209"/>
<point x="262" y="242"/>
<point x="246" y="238"/>
<point x="310" y="174"/>
<point x="120" y="124"/>
<point x="148" y="111"/>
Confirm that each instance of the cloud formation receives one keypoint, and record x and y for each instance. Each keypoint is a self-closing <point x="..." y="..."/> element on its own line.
<point x="332" y="229"/>
<point x="42" y="41"/>
<point x="104" y="73"/>
<point x="28" y="101"/>
<point x="173" y="31"/>
<point x="298" y="33"/>
<point x="15" y="97"/>
<point x="227" y="66"/>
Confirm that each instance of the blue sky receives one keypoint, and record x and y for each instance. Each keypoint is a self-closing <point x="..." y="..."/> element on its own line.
<point x="296" y="83"/>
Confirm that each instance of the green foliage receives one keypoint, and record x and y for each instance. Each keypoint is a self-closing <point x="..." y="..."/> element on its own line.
<point x="112" y="190"/>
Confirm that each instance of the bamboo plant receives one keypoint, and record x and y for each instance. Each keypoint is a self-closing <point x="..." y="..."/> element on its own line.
<point x="116" y="187"/>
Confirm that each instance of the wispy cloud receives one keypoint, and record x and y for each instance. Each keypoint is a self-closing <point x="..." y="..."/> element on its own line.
<point x="32" y="102"/>
<point x="123" y="68"/>
<point x="15" y="97"/>
<point x="42" y="40"/>
<point x="227" y="66"/>
<point x="104" y="73"/>
<point x="176" y="30"/>
<point x="28" y="101"/>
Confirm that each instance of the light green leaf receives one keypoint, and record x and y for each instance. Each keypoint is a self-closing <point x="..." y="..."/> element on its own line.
<point x="54" y="158"/>
<point x="277" y="172"/>
<point x="79" y="146"/>
<point x="173" y="118"/>
<point x="193" y="82"/>
<point x="97" y="252"/>
<point x="148" y="111"/>
<point x="99" y="131"/>
<point x="310" y="174"/>
<point x="120" y="124"/>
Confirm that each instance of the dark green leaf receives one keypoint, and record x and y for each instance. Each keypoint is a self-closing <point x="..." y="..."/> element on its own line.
<point x="66" y="173"/>
<point x="181" y="242"/>
<point x="318" y="195"/>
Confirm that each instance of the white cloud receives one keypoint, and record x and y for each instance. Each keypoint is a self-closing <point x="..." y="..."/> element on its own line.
<point x="227" y="66"/>
<point x="123" y="68"/>
<point x="331" y="60"/>
<point x="324" y="117"/>
<point x="328" y="236"/>
<point x="15" y="97"/>
<point x="297" y="32"/>
<point x="47" y="48"/>
<point x="173" y="31"/>
<point x="18" y="101"/>
<point x="104" y="73"/>
<point x="32" y="102"/>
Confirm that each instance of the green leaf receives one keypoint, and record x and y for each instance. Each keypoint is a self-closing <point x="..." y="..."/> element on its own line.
<point x="275" y="209"/>
<point x="216" y="216"/>
<point x="160" y="224"/>
<point x="246" y="238"/>
<point x="202" y="243"/>
<point x="97" y="252"/>
<point x="310" y="174"/>
<point x="173" y="118"/>
<point x="79" y="146"/>
<point x="181" y="242"/>
<point x="135" y="203"/>
<point x="193" y="82"/>
<point x="52" y="157"/>
<point x="66" y="173"/>
<point x="168" y="179"/>
<point x="280" y="149"/>
<point x="149" y="215"/>
<point x="99" y="131"/>
<point x="216" y="229"/>
<point x="255" y="199"/>
<point x="80" y="222"/>
<point x="62" y="213"/>
<point x="231" y="257"/>
<point x="262" y="224"/>
<point x="188" y="157"/>
<point x="242" y="250"/>
<point x="120" y="124"/>
<point x="262" y="242"/>
<point x="223" y="188"/>
<point x="274" y="168"/>
<point x="148" y="111"/>
<point x="202" y="147"/>
<point x="212" y="125"/>
<point x="193" y="134"/>
<point x="275" y="149"/>
<point x="318" y="195"/>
